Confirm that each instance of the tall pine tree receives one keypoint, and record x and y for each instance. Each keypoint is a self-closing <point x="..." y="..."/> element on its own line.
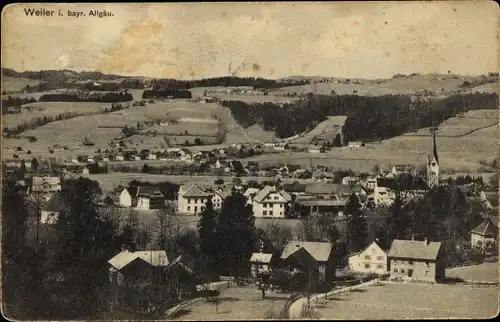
<point x="357" y="228"/>
<point x="207" y="232"/>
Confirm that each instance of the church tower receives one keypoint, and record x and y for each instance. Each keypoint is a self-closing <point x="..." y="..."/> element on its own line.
<point x="433" y="162"/>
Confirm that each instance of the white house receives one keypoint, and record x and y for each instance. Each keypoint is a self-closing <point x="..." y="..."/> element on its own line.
<point x="128" y="197"/>
<point x="485" y="234"/>
<point x="350" y="180"/>
<point x="250" y="193"/>
<point x="45" y="187"/>
<point x="383" y="195"/>
<point x="372" y="259"/>
<point x="120" y="157"/>
<point x="149" y="197"/>
<point x="259" y="262"/>
<point x="399" y="169"/>
<point x="355" y="144"/>
<point x="192" y="199"/>
<point x="270" y="203"/>
<point x="152" y="156"/>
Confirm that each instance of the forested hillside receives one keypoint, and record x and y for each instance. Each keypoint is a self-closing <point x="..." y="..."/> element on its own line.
<point x="368" y="118"/>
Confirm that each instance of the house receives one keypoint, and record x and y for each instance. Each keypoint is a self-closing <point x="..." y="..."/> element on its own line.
<point x="259" y="262"/>
<point x="269" y="145"/>
<point x="45" y="187"/>
<point x="295" y="188"/>
<point x="327" y="190"/>
<point x="484" y="235"/>
<point x="106" y="200"/>
<point x="400" y="169"/>
<point x="192" y="199"/>
<point x="355" y="144"/>
<point x="249" y="194"/>
<point x="120" y="157"/>
<point x="75" y="160"/>
<point x="309" y="257"/>
<point x="149" y="197"/>
<point x="128" y="197"/>
<point x="85" y="171"/>
<point x="372" y="259"/>
<point x="152" y="156"/>
<point x="350" y="180"/>
<point x="236" y="166"/>
<point x="270" y="203"/>
<point x="416" y="260"/>
<point x="317" y="149"/>
<point x="49" y="213"/>
<point x="181" y="277"/>
<point x="369" y="183"/>
<point x="489" y="199"/>
<point x="312" y="204"/>
<point x="383" y="194"/>
<point x="91" y="159"/>
<point x="131" y="268"/>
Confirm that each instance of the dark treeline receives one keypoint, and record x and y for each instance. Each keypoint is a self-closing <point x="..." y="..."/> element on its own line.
<point x="105" y="87"/>
<point x="228" y="81"/>
<point x="163" y="92"/>
<point x="102" y="98"/>
<point x="60" y="75"/>
<point x="17" y="101"/>
<point x="368" y="118"/>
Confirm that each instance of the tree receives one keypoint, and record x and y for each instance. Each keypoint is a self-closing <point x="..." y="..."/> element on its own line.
<point x="236" y="233"/>
<point x="23" y="168"/>
<point x="207" y="232"/>
<point x="146" y="169"/>
<point x="34" y="163"/>
<point x="337" y="141"/>
<point x="357" y="228"/>
<point x="163" y="224"/>
<point x="129" y="235"/>
<point x="376" y="168"/>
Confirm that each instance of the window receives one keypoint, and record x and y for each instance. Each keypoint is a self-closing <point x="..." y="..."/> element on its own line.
<point x="195" y="208"/>
<point x="427" y="273"/>
<point x="379" y="258"/>
<point x="373" y="250"/>
<point x="410" y="262"/>
<point x="281" y="205"/>
<point x="427" y="264"/>
<point x="270" y="213"/>
<point x="395" y="270"/>
<point x="189" y="208"/>
<point x="275" y="197"/>
<point x="264" y="213"/>
<point x="403" y="270"/>
<point x="380" y="266"/>
<point x="196" y="201"/>
<point x="189" y="200"/>
<point x="367" y="265"/>
<point x="367" y="257"/>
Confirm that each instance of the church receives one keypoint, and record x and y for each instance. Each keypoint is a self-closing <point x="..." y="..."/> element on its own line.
<point x="433" y="162"/>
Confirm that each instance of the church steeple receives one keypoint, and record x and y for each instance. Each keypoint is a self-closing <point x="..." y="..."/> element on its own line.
<point x="433" y="161"/>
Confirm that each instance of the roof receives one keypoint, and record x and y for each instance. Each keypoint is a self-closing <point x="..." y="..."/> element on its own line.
<point x="322" y="202"/>
<point x="486" y="228"/>
<point x="492" y="198"/>
<point x="132" y="191"/>
<point x="294" y="187"/>
<point x="416" y="249"/>
<point x="259" y="197"/>
<point x="153" y="257"/>
<point x="148" y="191"/>
<point x="250" y="191"/>
<point x="193" y="191"/>
<point x="181" y="261"/>
<point x="333" y="188"/>
<point x="319" y="251"/>
<point x="38" y="181"/>
<point x="403" y="167"/>
<point x="368" y="246"/>
<point x="261" y="258"/>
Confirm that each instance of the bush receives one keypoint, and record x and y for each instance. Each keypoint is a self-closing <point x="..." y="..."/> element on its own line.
<point x="219" y="181"/>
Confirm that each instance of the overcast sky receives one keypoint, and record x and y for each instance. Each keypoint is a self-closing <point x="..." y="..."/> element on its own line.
<point x="188" y="40"/>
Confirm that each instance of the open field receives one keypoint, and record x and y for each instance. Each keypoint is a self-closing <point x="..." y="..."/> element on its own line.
<point x="412" y="301"/>
<point x="31" y="112"/>
<point x="237" y="303"/>
<point x="326" y="129"/>
<point x="487" y="271"/>
<point x="14" y="84"/>
<point x="461" y="153"/>
<point x="402" y="85"/>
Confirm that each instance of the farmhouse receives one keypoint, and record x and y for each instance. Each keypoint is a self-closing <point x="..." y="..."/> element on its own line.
<point x="416" y="260"/>
<point x="149" y="197"/>
<point x="192" y="199"/>
<point x="350" y="180"/>
<point x="309" y="256"/>
<point x="400" y="169"/>
<point x="270" y="203"/>
<point x="484" y="235"/>
<point x="45" y="186"/>
<point x="317" y="149"/>
<point x="259" y="262"/>
<point x="328" y="190"/>
<point x="141" y="267"/>
<point x="355" y="144"/>
<point x="372" y="259"/>
<point x="50" y="211"/>
<point x="295" y="188"/>
<point x="311" y="204"/>
<point x="128" y="197"/>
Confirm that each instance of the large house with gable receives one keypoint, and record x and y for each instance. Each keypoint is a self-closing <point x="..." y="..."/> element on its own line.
<point x="372" y="259"/>
<point x="192" y="199"/>
<point x="309" y="257"/>
<point x="270" y="202"/>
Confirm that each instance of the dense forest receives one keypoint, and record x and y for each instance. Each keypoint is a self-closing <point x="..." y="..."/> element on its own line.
<point x="101" y="98"/>
<point x="368" y="118"/>
<point x="16" y="101"/>
<point x="228" y="81"/>
<point x="162" y="92"/>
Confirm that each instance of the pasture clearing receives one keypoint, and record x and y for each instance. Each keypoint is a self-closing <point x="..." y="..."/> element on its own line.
<point x="486" y="271"/>
<point x="368" y="87"/>
<point x="329" y="127"/>
<point x="14" y="84"/>
<point x="411" y="301"/>
<point x="237" y="303"/>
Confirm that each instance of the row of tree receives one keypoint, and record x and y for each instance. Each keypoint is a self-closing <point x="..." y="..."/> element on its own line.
<point x="368" y="117"/>
<point x="166" y="92"/>
<point x="107" y="97"/>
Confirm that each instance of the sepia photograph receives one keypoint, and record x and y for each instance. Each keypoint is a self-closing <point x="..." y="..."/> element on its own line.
<point x="214" y="161"/>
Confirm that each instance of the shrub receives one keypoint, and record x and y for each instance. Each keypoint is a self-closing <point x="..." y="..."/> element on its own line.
<point x="219" y="181"/>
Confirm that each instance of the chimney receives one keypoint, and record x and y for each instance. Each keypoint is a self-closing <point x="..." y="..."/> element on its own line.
<point x="425" y="241"/>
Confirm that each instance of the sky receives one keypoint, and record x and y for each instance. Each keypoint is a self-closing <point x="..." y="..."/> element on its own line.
<point x="271" y="40"/>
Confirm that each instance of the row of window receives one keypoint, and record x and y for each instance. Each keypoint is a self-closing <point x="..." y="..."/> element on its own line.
<point x="268" y="205"/>
<point x="399" y="262"/>
<point x="378" y="266"/>
<point x="403" y="271"/>
<point x="196" y="201"/>
<point x="270" y="213"/>
<point x="379" y="258"/>
<point x="195" y="208"/>
<point x="271" y="198"/>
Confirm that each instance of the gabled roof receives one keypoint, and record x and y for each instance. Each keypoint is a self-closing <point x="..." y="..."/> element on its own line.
<point x="250" y="191"/>
<point x="294" y="187"/>
<point x="367" y="247"/>
<point x="193" y="191"/>
<point x="154" y="258"/>
<point x="332" y="188"/>
<point x="322" y="202"/>
<point x="416" y="249"/>
<point x="486" y="228"/>
<point x="264" y="192"/>
<point x="319" y="251"/>
<point x="261" y="258"/>
<point x="38" y="181"/>
<point x="146" y="191"/>
<point x="132" y="191"/>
